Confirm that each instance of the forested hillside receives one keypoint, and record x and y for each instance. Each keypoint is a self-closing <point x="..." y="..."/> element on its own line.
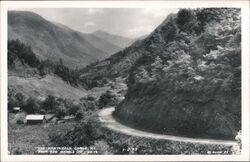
<point x="53" y="41"/>
<point x="30" y="77"/>
<point x="23" y="62"/>
<point x="186" y="79"/>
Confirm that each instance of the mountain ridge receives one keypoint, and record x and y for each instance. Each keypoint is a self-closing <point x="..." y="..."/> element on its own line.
<point x="118" y="40"/>
<point x="121" y="62"/>
<point x="52" y="41"/>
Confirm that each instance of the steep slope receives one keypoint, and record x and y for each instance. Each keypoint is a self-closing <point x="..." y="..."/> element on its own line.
<point x="97" y="42"/>
<point x="38" y="79"/>
<point x="187" y="81"/>
<point x="52" y="41"/>
<point x="118" y="65"/>
<point x="119" y="41"/>
<point x="40" y="88"/>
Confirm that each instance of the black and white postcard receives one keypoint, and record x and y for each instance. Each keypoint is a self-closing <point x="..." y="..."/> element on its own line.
<point x="152" y="80"/>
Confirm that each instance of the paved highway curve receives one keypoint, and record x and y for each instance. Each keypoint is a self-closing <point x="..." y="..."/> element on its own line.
<point x="105" y="116"/>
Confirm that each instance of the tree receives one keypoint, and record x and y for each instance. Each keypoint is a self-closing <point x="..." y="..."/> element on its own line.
<point x="74" y="109"/>
<point x="83" y="134"/>
<point x="50" y="103"/>
<point x="107" y="99"/>
<point x="15" y="99"/>
<point x="169" y="31"/>
<point x="60" y="61"/>
<point x="60" y="111"/>
<point x="79" y="115"/>
<point x="31" y="106"/>
<point x="157" y="68"/>
<point x="184" y="18"/>
<point x="20" y="97"/>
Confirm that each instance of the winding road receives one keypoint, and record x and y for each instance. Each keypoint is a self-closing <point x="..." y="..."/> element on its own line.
<point x="105" y="116"/>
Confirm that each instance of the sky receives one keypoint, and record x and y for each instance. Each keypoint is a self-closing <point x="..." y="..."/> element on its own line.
<point x="127" y="22"/>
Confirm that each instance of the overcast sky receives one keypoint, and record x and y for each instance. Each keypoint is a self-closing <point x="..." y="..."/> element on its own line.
<point x="128" y="22"/>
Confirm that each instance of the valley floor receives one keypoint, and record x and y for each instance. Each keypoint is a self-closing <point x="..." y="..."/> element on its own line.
<point x="25" y="139"/>
<point x="119" y="139"/>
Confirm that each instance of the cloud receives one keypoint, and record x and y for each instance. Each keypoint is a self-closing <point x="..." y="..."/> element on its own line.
<point x="128" y="22"/>
<point x="89" y="24"/>
<point x="140" y="30"/>
<point x="92" y="11"/>
<point x="156" y="12"/>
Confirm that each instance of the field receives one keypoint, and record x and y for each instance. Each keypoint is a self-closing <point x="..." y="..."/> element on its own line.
<point x="24" y="139"/>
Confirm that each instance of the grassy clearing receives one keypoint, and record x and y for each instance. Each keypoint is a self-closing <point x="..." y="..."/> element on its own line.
<point x="24" y="139"/>
<point x="41" y="88"/>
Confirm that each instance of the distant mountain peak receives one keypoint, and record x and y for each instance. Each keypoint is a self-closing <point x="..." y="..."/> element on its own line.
<point x="118" y="40"/>
<point x="100" y="31"/>
<point x="27" y="14"/>
<point x="55" y="41"/>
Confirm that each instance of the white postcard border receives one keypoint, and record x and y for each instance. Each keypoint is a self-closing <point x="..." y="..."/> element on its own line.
<point x="244" y="5"/>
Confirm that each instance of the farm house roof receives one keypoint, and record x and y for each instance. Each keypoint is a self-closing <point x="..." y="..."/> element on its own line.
<point x="35" y="117"/>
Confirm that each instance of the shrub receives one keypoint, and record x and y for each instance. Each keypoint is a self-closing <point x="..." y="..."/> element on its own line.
<point x="20" y="97"/>
<point x="60" y="111"/>
<point x="31" y="106"/>
<point x="19" y="121"/>
<point x="73" y="110"/>
<point x="15" y="99"/>
<point x="83" y="134"/>
<point x="79" y="116"/>
<point x="17" y="151"/>
<point x="42" y="111"/>
<point x="107" y="99"/>
<point x="91" y="97"/>
<point x="11" y="103"/>
<point x="88" y="103"/>
<point x="50" y="103"/>
<point x="237" y="148"/>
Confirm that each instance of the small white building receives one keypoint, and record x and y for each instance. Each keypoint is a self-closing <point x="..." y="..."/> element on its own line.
<point x="35" y="119"/>
<point x="69" y="117"/>
<point x="16" y="109"/>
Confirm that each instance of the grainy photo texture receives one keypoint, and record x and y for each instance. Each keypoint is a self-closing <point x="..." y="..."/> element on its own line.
<point x="137" y="81"/>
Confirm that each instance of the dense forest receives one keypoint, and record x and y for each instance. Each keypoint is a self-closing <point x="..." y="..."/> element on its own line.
<point x="188" y="82"/>
<point x="21" y="56"/>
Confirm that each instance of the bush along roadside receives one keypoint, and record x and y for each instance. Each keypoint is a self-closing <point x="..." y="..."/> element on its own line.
<point x="91" y="133"/>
